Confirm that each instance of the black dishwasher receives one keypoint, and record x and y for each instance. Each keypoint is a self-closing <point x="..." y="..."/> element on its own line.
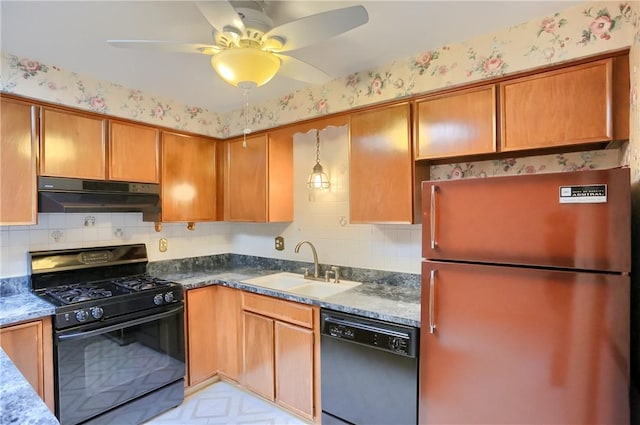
<point x="369" y="371"/>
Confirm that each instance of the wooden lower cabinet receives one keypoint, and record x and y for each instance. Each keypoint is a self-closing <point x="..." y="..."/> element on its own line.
<point x="30" y="347"/>
<point x="201" y="336"/>
<point x="229" y="332"/>
<point x="258" y="354"/>
<point x="294" y="367"/>
<point x="281" y="355"/>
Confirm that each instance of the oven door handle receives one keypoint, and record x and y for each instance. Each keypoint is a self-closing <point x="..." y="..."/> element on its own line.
<point x="121" y="325"/>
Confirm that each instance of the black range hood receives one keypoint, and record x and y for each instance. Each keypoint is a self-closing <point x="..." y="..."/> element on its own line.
<point x="58" y="194"/>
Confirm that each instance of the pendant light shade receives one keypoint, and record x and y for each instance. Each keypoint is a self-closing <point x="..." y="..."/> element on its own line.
<point x="318" y="179"/>
<point x="245" y="67"/>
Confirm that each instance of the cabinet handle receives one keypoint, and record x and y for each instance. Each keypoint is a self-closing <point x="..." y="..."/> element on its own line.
<point x="432" y="291"/>
<point x="432" y="223"/>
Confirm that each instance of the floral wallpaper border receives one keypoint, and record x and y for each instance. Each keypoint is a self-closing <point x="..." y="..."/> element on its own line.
<point x="583" y="30"/>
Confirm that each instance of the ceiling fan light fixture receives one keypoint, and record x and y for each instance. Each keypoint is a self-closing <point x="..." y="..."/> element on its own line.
<point x="239" y="66"/>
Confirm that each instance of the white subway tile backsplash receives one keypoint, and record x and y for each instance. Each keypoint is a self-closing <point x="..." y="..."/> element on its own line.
<point x="19" y="237"/>
<point x="38" y="237"/>
<point x="55" y="221"/>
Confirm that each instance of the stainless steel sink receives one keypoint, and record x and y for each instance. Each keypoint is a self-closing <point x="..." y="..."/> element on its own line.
<point x="297" y="284"/>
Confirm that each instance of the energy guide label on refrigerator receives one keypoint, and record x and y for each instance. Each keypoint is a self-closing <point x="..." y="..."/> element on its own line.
<point x="585" y="194"/>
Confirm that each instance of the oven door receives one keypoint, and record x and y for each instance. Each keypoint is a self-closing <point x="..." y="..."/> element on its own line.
<point x="98" y="369"/>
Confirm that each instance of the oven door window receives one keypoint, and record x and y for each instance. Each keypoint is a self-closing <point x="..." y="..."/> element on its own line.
<point x="106" y="367"/>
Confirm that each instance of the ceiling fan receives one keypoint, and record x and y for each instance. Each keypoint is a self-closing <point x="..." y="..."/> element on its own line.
<point x="248" y="50"/>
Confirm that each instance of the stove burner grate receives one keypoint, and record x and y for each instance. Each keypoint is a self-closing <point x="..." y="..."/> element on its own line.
<point x="141" y="283"/>
<point x="69" y="294"/>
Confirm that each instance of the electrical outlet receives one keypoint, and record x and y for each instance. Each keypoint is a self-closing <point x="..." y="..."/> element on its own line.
<point x="279" y="243"/>
<point x="162" y="245"/>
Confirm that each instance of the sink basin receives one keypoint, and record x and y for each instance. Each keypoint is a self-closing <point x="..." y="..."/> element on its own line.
<point x="297" y="284"/>
<point x="322" y="290"/>
<point x="281" y="281"/>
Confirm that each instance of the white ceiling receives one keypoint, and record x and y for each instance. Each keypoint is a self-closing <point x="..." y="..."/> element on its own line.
<point x="72" y="34"/>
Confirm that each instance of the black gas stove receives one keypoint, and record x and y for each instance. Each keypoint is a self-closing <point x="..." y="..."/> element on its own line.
<point x="118" y="334"/>
<point x="90" y="285"/>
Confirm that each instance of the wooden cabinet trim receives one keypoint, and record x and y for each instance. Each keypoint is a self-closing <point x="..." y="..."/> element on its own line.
<point x="286" y="311"/>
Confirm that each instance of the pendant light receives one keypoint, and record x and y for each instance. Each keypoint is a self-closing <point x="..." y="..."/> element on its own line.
<point x="318" y="180"/>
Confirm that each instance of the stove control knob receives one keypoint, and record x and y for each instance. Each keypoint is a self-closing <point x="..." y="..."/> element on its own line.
<point x="168" y="297"/>
<point x="81" y="315"/>
<point x="158" y="299"/>
<point x="97" y="312"/>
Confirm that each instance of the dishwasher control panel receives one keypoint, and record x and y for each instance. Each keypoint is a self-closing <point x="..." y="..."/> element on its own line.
<point x="398" y="339"/>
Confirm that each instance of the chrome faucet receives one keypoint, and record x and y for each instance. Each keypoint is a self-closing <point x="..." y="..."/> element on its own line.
<point x="315" y="258"/>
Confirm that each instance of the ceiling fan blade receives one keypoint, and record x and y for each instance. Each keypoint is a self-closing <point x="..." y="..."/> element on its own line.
<point x="221" y="15"/>
<point x="302" y="71"/>
<point x="314" y="28"/>
<point x="166" y="46"/>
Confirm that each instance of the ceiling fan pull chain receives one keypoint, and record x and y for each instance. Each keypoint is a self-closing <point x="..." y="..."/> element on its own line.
<point x="246" y="129"/>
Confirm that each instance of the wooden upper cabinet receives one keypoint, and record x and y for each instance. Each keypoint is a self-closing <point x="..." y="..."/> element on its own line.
<point x="381" y="166"/>
<point x="72" y="144"/>
<point x="188" y="178"/>
<point x="562" y="107"/>
<point x="134" y="152"/>
<point x="18" y="152"/>
<point x="259" y="178"/>
<point x="456" y="124"/>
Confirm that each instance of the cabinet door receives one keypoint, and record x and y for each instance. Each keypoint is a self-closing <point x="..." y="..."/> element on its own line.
<point x="456" y="124"/>
<point x="294" y="368"/>
<point x="29" y="346"/>
<point x="381" y="183"/>
<point x="563" y="107"/>
<point x="280" y="176"/>
<point x="247" y="179"/>
<point x="72" y="145"/>
<point x="134" y="152"/>
<point x="258" y="354"/>
<point x="188" y="178"/>
<point x="18" y="152"/>
<point x="523" y="345"/>
<point x="229" y="326"/>
<point x="201" y="338"/>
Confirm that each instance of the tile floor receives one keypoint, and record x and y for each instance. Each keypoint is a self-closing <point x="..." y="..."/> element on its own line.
<point x="225" y="404"/>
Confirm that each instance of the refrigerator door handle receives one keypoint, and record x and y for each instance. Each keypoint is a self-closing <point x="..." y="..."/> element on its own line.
<point x="433" y="217"/>
<point x="432" y="291"/>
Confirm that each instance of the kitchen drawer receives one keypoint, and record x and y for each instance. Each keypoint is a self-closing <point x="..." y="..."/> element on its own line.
<point x="286" y="311"/>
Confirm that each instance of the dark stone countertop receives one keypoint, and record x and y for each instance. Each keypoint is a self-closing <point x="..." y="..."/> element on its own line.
<point x="384" y="299"/>
<point x="19" y="403"/>
<point x="22" y="307"/>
